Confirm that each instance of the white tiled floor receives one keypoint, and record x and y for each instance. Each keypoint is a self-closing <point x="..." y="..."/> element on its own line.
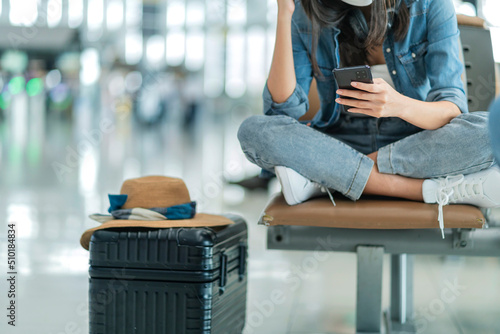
<point x="51" y="215"/>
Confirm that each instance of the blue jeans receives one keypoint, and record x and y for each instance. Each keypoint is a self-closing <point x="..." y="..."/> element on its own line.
<point x="336" y="157"/>
<point x="495" y="129"/>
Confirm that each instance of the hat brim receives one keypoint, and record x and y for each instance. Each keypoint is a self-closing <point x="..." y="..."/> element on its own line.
<point x="199" y="220"/>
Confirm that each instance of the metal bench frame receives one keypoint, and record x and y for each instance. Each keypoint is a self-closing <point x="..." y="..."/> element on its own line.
<point x="370" y="246"/>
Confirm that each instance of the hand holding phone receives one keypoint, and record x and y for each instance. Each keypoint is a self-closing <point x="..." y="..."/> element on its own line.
<point x="371" y="97"/>
<point x="345" y="76"/>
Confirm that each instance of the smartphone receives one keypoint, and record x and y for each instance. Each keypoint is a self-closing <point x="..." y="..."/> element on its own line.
<point x="344" y="76"/>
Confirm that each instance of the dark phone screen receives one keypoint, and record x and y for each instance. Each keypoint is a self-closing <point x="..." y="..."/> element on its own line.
<point x="344" y="76"/>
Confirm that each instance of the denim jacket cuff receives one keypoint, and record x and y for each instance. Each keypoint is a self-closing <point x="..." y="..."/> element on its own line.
<point x="295" y="106"/>
<point x="453" y="95"/>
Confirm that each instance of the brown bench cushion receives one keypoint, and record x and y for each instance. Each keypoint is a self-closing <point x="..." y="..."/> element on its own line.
<point x="369" y="213"/>
<point x="473" y="21"/>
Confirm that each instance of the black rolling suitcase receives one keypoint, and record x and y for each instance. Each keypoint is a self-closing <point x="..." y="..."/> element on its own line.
<point x="168" y="281"/>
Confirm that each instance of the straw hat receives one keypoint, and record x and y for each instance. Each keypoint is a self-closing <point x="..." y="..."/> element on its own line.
<point x="154" y="202"/>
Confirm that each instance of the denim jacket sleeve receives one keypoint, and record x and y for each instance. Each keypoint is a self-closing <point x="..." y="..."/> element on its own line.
<point x="443" y="53"/>
<point x="298" y="103"/>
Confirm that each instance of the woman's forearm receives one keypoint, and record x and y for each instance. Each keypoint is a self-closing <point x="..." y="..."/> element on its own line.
<point x="381" y="100"/>
<point x="428" y="115"/>
<point x="282" y="81"/>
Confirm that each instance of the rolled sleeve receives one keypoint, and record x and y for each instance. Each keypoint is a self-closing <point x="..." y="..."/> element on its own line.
<point x="295" y="106"/>
<point x="444" y="67"/>
<point x="454" y="95"/>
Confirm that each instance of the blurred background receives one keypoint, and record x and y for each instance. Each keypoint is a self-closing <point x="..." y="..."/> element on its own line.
<point x="93" y="92"/>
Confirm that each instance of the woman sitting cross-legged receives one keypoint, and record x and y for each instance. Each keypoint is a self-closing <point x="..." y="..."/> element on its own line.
<point x="407" y="135"/>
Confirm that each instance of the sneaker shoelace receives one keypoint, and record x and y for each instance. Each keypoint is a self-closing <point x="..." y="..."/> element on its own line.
<point x="456" y="189"/>
<point x="325" y="189"/>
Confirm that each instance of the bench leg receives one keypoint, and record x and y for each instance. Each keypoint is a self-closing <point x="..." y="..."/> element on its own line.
<point x="401" y="311"/>
<point x="369" y="291"/>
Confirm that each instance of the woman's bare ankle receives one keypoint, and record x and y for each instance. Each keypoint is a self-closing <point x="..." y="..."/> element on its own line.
<point x="393" y="185"/>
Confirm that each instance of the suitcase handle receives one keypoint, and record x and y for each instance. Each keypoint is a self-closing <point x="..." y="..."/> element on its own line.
<point x="223" y="272"/>
<point x="243" y="261"/>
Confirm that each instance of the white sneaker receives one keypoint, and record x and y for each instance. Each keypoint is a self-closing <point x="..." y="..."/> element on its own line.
<point x="296" y="188"/>
<point x="481" y="189"/>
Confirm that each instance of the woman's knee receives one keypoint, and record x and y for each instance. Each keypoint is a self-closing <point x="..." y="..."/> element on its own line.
<point x="263" y="139"/>
<point x="261" y="128"/>
<point x="477" y="119"/>
<point x="472" y="127"/>
<point x="474" y="139"/>
<point x="248" y="130"/>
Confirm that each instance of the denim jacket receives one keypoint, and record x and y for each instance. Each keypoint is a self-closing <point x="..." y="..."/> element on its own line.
<point x="425" y="65"/>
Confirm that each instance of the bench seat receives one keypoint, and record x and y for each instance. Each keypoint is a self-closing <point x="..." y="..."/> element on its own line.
<point x="369" y="213"/>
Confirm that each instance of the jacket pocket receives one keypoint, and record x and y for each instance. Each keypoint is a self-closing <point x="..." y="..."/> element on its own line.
<point x="413" y="62"/>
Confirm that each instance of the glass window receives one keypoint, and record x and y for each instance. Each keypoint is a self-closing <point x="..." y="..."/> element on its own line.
<point x="235" y="65"/>
<point x="133" y="13"/>
<point x="236" y="12"/>
<point x="176" y="40"/>
<point x="133" y="47"/>
<point x="195" y="49"/>
<point x="214" y="63"/>
<point x="54" y="12"/>
<point x="95" y="14"/>
<point x="155" y="49"/>
<point x="256" y="63"/>
<point x="195" y="14"/>
<point x="114" y="17"/>
<point x="75" y="10"/>
<point x="23" y="13"/>
<point x="215" y="11"/>
<point x="176" y="14"/>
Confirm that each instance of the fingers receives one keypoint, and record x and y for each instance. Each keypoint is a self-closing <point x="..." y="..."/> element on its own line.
<point x="357" y="94"/>
<point x="355" y="103"/>
<point x="369" y="108"/>
<point x="379" y="97"/>
<point x="375" y="87"/>
<point x="375" y="102"/>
